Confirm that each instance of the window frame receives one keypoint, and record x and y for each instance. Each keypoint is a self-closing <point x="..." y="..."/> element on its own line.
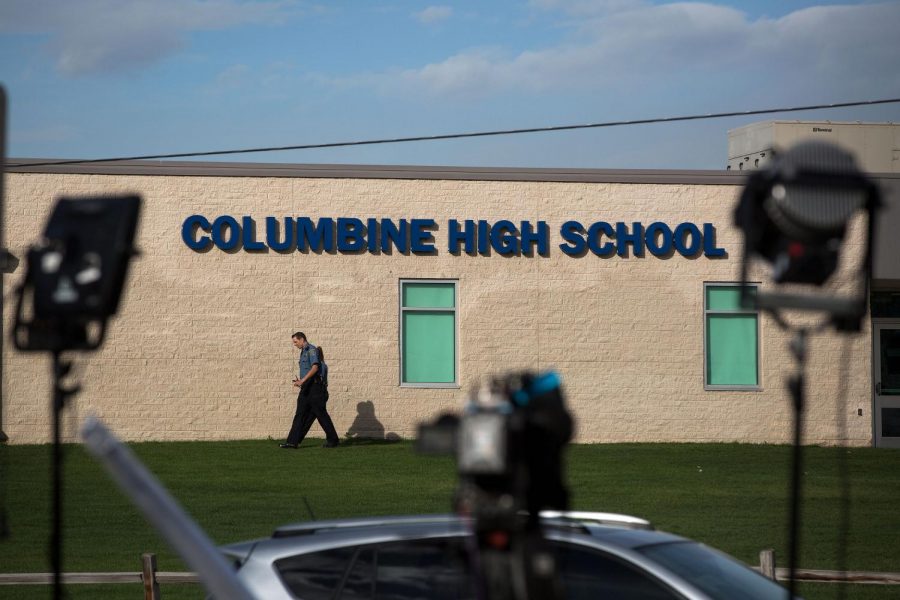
<point x="707" y="312"/>
<point x="455" y="311"/>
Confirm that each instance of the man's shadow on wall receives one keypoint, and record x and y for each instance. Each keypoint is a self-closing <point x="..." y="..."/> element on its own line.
<point x="367" y="429"/>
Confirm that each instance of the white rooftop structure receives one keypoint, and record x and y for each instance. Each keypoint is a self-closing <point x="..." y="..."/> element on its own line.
<point x="875" y="145"/>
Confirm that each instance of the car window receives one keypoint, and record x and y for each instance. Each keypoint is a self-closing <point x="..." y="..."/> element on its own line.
<point x="437" y="569"/>
<point x="431" y="569"/>
<point x="422" y="569"/>
<point x="315" y="576"/>
<point x="589" y="574"/>
<point x="715" y="573"/>
<point x="360" y="581"/>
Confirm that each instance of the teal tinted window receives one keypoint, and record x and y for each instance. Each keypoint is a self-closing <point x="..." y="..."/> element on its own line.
<point x="732" y="339"/>
<point x="720" y="297"/>
<point x="429" y="295"/>
<point x="429" y="342"/>
<point x="731" y="350"/>
<point x="428" y="333"/>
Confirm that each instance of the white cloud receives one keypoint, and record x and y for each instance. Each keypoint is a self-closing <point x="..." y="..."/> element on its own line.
<point x="277" y="80"/>
<point x="587" y="7"/>
<point x="625" y="42"/>
<point x="93" y="36"/>
<point x="234" y="76"/>
<point x="434" y="14"/>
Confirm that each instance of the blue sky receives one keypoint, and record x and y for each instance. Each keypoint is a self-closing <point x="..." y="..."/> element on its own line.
<point x="104" y="78"/>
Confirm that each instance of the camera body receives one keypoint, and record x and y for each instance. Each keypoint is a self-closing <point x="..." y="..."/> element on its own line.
<point x="509" y="446"/>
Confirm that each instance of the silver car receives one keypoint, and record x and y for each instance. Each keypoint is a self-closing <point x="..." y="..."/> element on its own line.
<point x="599" y="555"/>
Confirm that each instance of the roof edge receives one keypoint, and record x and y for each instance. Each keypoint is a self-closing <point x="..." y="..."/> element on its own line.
<point x="343" y="171"/>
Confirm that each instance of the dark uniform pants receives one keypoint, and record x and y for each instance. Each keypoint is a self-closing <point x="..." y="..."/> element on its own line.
<point x="311" y="407"/>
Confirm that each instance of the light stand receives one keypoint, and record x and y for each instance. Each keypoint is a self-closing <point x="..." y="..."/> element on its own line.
<point x="3" y="265"/>
<point x="794" y="215"/>
<point x="796" y="384"/>
<point x="4" y="526"/>
<point x="60" y="368"/>
<point x="72" y="286"/>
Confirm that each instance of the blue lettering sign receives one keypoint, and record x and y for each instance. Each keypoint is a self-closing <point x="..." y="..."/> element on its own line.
<point x="219" y="238"/>
<point x="318" y="238"/>
<point x="484" y="238"/>
<point x="541" y="237"/>
<point x="573" y="233"/>
<point x="455" y="236"/>
<point x="349" y="234"/>
<point x="594" y="232"/>
<point x="658" y="238"/>
<point x="635" y="238"/>
<point x="421" y="238"/>
<point x="272" y="238"/>
<point x="392" y="234"/>
<point x="189" y="227"/>
<point x="684" y="232"/>
<point x="503" y="238"/>
<point x="372" y="235"/>
<point x="709" y="242"/>
<point x="248" y="235"/>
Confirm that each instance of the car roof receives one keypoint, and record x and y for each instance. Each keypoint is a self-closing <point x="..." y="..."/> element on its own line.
<point x="608" y="529"/>
<point x="573" y="519"/>
<point x="621" y="535"/>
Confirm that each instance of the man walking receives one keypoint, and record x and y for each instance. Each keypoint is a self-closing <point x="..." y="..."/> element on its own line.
<point x="311" y="398"/>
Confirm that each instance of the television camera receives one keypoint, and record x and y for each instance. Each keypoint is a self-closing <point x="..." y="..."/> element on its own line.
<point x="508" y="445"/>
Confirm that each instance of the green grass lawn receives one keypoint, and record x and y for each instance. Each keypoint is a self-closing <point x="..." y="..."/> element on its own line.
<point x="730" y="496"/>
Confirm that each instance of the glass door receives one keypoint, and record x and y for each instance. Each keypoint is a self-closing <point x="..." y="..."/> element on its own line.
<point x="886" y="364"/>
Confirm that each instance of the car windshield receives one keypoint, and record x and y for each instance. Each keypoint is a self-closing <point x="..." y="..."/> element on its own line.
<point x="714" y="573"/>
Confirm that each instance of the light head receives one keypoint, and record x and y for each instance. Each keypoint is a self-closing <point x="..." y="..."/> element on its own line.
<point x="794" y="215"/>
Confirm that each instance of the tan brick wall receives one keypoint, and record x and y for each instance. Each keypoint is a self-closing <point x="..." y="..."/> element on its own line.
<point x="201" y="348"/>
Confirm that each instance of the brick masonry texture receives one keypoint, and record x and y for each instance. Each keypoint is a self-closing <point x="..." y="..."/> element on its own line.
<point x="201" y="348"/>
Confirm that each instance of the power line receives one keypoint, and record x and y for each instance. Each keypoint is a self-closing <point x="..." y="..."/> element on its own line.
<point x="453" y="136"/>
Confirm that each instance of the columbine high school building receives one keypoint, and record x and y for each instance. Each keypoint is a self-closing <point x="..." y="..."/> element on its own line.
<point x="420" y="282"/>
